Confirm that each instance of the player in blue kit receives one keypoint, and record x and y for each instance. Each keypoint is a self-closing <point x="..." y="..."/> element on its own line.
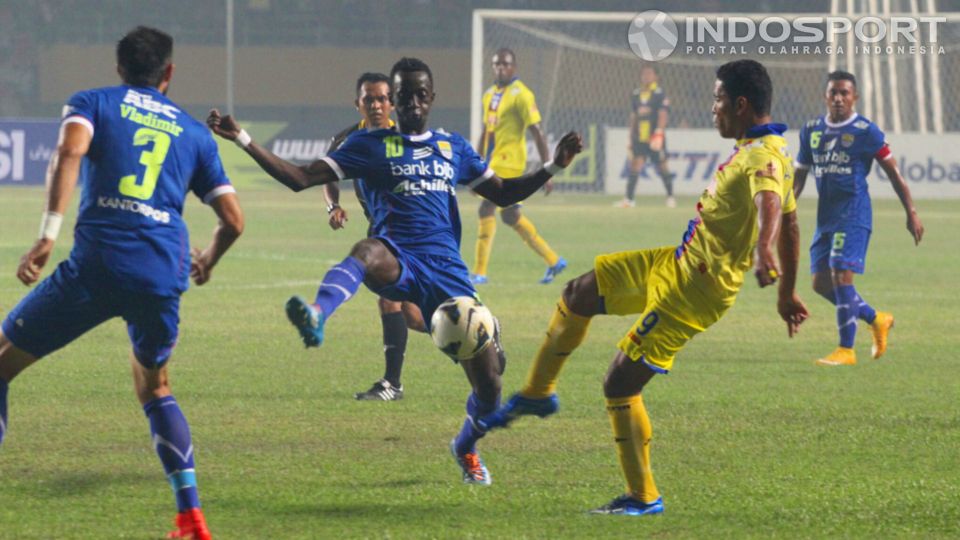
<point x="136" y="155"/>
<point x="410" y="176"/>
<point x="840" y="148"/>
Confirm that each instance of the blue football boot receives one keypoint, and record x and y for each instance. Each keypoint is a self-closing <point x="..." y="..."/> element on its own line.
<point x="553" y="271"/>
<point x="516" y="407"/>
<point x="625" y="505"/>
<point x="308" y="320"/>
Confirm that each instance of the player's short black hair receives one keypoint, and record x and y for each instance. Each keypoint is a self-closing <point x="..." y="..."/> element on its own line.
<point x="508" y="50"/>
<point x="748" y="78"/>
<point x="371" y="77"/>
<point x="408" y="65"/>
<point x="840" y="75"/>
<point x="143" y="54"/>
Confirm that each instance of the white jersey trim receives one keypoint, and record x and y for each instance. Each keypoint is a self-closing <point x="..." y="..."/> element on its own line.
<point x="487" y="174"/>
<point x="333" y="165"/>
<point x="421" y="137"/>
<point x="218" y="191"/>
<point x="848" y="121"/>
<point x="76" y="119"/>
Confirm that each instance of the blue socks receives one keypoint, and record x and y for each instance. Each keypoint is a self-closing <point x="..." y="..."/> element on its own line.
<point x="848" y="310"/>
<point x="3" y="408"/>
<point x="171" y="438"/>
<point x="339" y="285"/>
<point x="470" y="433"/>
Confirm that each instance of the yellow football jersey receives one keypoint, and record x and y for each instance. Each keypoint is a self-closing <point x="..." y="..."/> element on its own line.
<point x="507" y="113"/>
<point x="719" y="243"/>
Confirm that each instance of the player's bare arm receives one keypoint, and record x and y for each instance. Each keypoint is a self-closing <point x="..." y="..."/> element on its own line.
<point x="656" y="141"/>
<point x="507" y="193"/>
<point x="914" y="225"/>
<point x="799" y="181"/>
<point x="789" y="305"/>
<point x="336" y="216"/>
<point x="62" y="175"/>
<point x="229" y="228"/>
<point x="540" y="140"/>
<point x="766" y="268"/>
<point x="295" y="177"/>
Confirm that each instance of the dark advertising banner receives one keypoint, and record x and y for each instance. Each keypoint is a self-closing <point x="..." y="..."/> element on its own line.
<point x="25" y="148"/>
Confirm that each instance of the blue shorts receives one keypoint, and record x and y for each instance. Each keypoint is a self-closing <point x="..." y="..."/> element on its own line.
<point x="839" y="250"/>
<point x="426" y="280"/>
<point x="69" y="303"/>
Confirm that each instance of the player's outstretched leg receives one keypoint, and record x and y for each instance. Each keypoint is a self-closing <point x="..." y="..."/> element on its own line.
<point x="339" y="285"/>
<point x="848" y="308"/>
<point x="528" y="233"/>
<point x="566" y="332"/>
<point x="487" y="231"/>
<point x="632" y="432"/>
<point x="464" y="445"/>
<point x="395" y="335"/>
<point x="667" y="177"/>
<point x="483" y="372"/>
<point x="12" y="361"/>
<point x="3" y="408"/>
<point x="880" y="328"/>
<point x="171" y="439"/>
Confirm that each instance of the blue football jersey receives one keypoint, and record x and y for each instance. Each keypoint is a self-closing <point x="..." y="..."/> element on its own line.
<point x="409" y="182"/>
<point x="840" y="157"/>
<point x="145" y="155"/>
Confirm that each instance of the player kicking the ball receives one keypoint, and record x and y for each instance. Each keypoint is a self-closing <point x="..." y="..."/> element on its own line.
<point x="410" y="177"/>
<point x="680" y="291"/>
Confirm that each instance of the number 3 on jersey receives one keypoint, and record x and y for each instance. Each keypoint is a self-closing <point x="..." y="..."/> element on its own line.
<point x="152" y="159"/>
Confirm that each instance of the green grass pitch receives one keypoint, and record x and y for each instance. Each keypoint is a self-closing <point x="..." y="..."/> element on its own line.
<point x="751" y="440"/>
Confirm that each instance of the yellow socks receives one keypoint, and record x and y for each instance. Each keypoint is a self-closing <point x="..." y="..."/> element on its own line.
<point x="566" y="333"/>
<point x="632" y="432"/>
<point x="528" y="232"/>
<point x="488" y="228"/>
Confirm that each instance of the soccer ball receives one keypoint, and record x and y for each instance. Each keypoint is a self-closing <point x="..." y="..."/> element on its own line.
<point x="462" y="327"/>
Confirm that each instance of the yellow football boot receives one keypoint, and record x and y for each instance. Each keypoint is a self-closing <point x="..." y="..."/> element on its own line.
<point x="842" y="356"/>
<point x="880" y="329"/>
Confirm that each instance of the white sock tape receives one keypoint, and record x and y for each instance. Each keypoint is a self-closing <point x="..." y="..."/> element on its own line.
<point x="552" y="168"/>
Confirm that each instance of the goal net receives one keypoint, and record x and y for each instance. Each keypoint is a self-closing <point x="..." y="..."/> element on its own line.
<point x="582" y="69"/>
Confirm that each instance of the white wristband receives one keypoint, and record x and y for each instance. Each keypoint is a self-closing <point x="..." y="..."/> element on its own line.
<point x="50" y="225"/>
<point x="243" y="139"/>
<point x="552" y="168"/>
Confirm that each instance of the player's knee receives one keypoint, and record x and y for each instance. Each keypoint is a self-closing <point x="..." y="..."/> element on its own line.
<point x="486" y="209"/>
<point x="511" y="215"/>
<point x="389" y="306"/>
<point x="413" y="316"/>
<point x="582" y="295"/>
<point x="368" y="251"/>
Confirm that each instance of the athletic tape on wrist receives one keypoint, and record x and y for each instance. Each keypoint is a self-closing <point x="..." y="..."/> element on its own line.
<point x="243" y="139"/>
<point x="50" y="225"/>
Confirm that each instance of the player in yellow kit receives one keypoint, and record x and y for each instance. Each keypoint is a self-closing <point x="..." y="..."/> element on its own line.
<point x="680" y="291"/>
<point x="509" y="112"/>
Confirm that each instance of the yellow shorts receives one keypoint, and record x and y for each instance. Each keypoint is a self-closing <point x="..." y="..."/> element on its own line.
<point x="672" y="307"/>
